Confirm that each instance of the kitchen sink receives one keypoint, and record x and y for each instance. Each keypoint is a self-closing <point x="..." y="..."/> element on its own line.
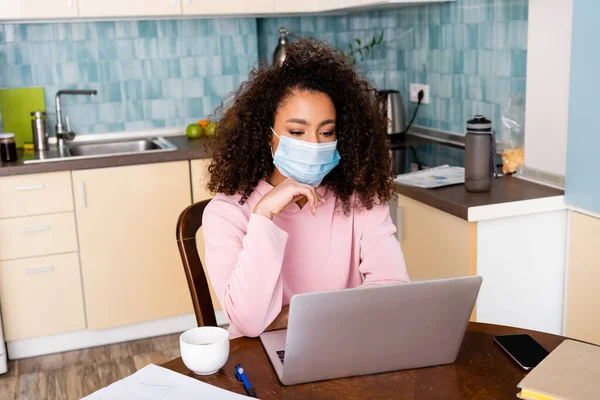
<point x="110" y="148"/>
<point x="103" y="148"/>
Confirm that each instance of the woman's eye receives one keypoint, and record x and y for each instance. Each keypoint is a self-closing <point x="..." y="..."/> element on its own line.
<point x="329" y="133"/>
<point x="296" y="133"/>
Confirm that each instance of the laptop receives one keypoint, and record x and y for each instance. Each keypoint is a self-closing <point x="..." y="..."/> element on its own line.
<point x="373" y="329"/>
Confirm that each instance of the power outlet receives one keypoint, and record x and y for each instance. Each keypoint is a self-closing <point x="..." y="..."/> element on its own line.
<point x="414" y="93"/>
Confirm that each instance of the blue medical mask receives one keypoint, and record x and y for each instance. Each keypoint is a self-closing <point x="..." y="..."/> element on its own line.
<point x="306" y="162"/>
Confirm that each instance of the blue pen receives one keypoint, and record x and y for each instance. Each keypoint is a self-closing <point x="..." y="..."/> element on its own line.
<point x="241" y="376"/>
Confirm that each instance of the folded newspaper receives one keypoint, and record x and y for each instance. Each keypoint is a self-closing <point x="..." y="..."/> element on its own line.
<point x="444" y="175"/>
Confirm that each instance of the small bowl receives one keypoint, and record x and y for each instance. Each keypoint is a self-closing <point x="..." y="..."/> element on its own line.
<point x="204" y="350"/>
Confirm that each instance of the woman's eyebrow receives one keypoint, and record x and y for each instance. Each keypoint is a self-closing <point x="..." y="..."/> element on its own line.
<point x="298" y="121"/>
<point x="305" y="122"/>
<point x="327" y="122"/>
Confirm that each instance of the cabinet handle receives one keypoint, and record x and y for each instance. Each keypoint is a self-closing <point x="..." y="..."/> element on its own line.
<point x="41" y="228"/>
<point x="29" y="187"/>
<point x="70" y="3"/>
<point x="399" y="224"/>
<point x="82" y="193"/>
<point x="39" y="270"/>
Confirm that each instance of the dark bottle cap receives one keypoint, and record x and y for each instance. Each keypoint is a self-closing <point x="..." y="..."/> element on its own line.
<point x="479" y="124"/>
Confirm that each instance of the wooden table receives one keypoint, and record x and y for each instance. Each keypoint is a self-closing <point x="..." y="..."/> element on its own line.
<point x="481" y="371"/>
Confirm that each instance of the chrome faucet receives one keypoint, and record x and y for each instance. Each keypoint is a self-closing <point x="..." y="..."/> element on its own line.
<point x="64" y="133"/>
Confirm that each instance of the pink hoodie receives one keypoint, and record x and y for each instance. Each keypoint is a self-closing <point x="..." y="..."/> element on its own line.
<point x="256" y="265"/>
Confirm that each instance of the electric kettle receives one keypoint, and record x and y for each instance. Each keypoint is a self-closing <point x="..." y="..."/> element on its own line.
<point x="392" y="106"/>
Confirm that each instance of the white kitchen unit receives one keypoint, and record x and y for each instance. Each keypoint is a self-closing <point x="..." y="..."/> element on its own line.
<point x="128" y="8"/>
<point x="519" y="248"/>
<point x="227" y="7"/>
<point x="37" y="9"/>
<point x="522" y="262"/>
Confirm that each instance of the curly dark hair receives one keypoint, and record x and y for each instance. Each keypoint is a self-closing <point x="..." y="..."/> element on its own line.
<point x="242" y="156"/>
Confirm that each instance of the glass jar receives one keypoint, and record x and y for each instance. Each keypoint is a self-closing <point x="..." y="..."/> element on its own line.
<point x="8" y="147"/>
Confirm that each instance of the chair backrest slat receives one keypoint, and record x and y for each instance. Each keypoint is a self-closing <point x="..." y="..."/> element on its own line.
<point x="190" y="220"/>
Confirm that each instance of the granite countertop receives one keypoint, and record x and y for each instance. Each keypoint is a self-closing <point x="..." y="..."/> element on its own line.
<point x="186" y="150"/>
<point x="456" y="200"/>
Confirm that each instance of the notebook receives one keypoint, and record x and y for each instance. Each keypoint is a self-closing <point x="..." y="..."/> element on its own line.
<point x="571" y="371"/>
<point x="153" y="382"/>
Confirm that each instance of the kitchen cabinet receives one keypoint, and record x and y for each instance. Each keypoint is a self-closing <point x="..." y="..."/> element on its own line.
<point x="130" y="264"/>
<point x="228" y="7"/>
<point x="286" y="6"/>
<point x="37" y="9"/>
<point x="37" y="235"/>
<point x="325" y="5"/>
<point x="199" y="172"/>
<point x="35" y="194"/>
<point x="436" y="244"/>
<point x="41" y="296"/>
<point x="583" y="274"/>
<point x="129" y="8"/>
<point x="354" y="3"/>
<point x="369" y="3"/>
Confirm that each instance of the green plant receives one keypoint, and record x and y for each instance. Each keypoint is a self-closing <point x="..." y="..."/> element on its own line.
<point x="362" y="49"/>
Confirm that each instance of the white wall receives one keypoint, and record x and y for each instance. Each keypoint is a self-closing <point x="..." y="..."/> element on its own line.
<point x="548" y="75"/>
<point x="522" y="262"/>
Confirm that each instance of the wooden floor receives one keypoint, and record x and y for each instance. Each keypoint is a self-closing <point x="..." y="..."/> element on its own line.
<point x="76" y="374"/>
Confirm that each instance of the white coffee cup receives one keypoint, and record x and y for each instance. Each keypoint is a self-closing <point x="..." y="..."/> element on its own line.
<point x="204" y="350"/>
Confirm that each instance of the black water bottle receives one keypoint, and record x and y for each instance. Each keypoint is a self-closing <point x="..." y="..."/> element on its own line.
<point x="478" y="149"/>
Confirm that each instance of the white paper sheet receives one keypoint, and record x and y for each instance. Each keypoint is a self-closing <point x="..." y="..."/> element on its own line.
<point x="153" y="382"/>
<point x="433" y="177"/>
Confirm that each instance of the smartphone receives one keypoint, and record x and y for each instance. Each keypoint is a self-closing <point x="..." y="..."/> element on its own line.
<point x="523" y="349"/>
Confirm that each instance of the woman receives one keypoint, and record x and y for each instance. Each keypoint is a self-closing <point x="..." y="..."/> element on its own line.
<point x="304" y="177"/>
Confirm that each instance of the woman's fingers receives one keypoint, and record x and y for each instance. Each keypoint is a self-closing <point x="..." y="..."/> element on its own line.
<point x="311" y="194"/>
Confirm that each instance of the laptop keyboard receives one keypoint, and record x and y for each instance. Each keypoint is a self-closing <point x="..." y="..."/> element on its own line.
<point x="281" y="355"/>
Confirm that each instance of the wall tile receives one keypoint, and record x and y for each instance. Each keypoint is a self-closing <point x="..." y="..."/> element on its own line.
<point x="89" y="72"/>
<point x="109" y="71"/>
<point x="17" y="53"/>
<point x="132" y="90"/>
<point x="106" y="30"/>
<point x="149" y="29"/>
<point x="42" y="74"/>
<point x="145" y="48"/>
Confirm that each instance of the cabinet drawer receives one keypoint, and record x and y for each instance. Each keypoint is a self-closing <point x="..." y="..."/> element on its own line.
<point x="41" y="296"/>
<point x="35" y="194"/>
<point x="37" y="236"/>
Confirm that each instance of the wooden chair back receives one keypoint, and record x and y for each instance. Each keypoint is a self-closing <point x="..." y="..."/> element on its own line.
<point x="190" y="220"/>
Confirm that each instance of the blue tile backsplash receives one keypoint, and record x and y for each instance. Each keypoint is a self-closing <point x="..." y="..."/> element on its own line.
<point x="471" y="52"/>
<point x="162" y="73"/>
<point x="149" y="74"/>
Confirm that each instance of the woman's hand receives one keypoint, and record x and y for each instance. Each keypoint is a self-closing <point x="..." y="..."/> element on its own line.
<point x="283" y="194"/>
<point x="280" y="321"/>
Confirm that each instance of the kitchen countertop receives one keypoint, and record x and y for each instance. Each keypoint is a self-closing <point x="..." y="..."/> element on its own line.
<point x="457" y="201"/>
<point x="186" y="150"/>
<point x="454" y="200"/>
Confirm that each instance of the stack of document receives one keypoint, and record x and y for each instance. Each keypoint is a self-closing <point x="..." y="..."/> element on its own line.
<point x="433" y="177"/>
<point x="571" y="371"/>
<point x="152" y="382"/>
